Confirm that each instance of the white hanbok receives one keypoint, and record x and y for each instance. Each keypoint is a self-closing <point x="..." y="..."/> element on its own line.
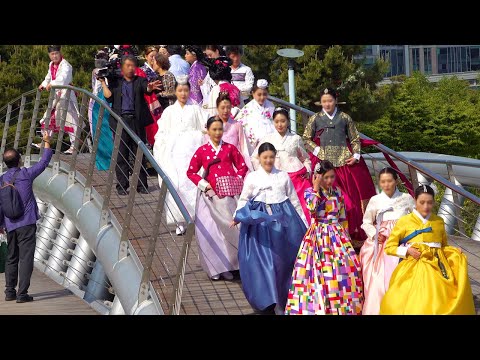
<point x="257" y="122"/>
<point x="180" y="134"/>
<point x="64" y="76"/>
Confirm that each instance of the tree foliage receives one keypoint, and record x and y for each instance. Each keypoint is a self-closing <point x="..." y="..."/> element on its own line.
<point x="424" y="116"/>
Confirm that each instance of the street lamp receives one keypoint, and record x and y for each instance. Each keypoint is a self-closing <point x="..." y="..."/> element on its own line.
<point x="291" y="54"/>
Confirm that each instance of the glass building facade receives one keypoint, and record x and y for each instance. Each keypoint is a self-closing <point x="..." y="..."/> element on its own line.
<point x="428" y="59"/>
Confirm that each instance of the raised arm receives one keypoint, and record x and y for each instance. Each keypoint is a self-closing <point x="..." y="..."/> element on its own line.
<point x="397" y="234"/>
<point x="39" y="167"/>
<point x="354" y="137"/>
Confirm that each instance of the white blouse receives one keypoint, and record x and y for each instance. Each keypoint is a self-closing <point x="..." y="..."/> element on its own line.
<point x="270" y="188"/>
<point x="401" y="203"/>
<point x="291" y="153"/>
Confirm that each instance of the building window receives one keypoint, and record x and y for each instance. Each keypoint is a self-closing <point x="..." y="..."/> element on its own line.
<point x="416" y="59"/>
<point x="396" y="58"/>
<point x="427" y="60"/>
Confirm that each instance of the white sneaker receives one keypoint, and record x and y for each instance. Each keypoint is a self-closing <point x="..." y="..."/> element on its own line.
<point x="180" y="230"/>
<point x="227" y="275"/>
<point x="69" y="151"/>
<point x="215" y="277"/>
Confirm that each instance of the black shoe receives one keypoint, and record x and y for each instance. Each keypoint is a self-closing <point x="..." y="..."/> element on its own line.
<point x="25" y="299"/>
<point x="143" y="191"/>
<point x="122" y="192"/>
<point x="10" y="297"/>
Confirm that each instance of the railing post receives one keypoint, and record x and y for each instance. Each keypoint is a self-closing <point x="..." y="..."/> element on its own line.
<point x="5" y="134"/>
<point x="33" y="125"/>
<point x="123" y="250"/>
<point x="88" y="186"/>
<point x="413" y="176"/>
<point x="51" y="99"/>
<point x="147" y="268"/>
<point x="457" y="200"/>
<point x="180" y="278"/>
<point x="19" y="122"/>
<point x="111" y="173"/>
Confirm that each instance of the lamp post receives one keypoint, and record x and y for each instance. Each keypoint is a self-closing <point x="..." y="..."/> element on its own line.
<point x="291" y="54"/>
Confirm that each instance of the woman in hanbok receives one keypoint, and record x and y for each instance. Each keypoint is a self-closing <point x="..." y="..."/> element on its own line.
<point x="197" y="72"/>
<point x="178" y="137"/>
<point x="256" y="116"/>
<point x="60" y="72"/>
<point x="383" y="212"/>
<point x="333" y="136"/>
<point x="220" y="73"/>
<point x="291" y="155"/>
<point x="206" y="85"/>
<point x="326" y="278"/>
<point x="272" y="228"/>
<point x="432" y="277"/>
<point x="148" y="67"/>
<point x="232" y="130"/>
<point x="223" y="171"/>
<point x="105" y="143"/>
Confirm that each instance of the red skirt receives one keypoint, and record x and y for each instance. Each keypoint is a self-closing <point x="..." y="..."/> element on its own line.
<point x="301" y="184"/>
<point x="357" y="187"/>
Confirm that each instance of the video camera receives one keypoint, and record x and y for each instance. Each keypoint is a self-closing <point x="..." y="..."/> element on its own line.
<point x="108" y="60"/>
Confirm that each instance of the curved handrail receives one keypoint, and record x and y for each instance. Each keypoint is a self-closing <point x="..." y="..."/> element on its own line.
<point x="394" y="154"/>
<point x="18" y="98"/>
<point x="142" y="146"/>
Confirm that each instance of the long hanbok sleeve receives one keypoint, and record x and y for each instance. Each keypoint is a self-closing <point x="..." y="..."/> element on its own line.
<point x="303" y="155"/>
<point x="243" y="147"/>
<point x="194" y="168"/>
<point x="247" y="193"/>
<point x="239" y="162"/>
<point x="292" y="195"/>
<point x="48" y="77"/>
<point x="369" y="219"/>
<point x="197" y="74"/>
<point x="354" y="137"/>
<point x="397" y="234"/>
<point x="312" y="199"/>
<point x="342" y="215"/>
<point x="309" y="133"/>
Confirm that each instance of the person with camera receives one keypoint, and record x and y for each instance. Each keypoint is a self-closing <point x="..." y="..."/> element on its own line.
<point x="18" y="216"/>
<point x="126" y="94"/>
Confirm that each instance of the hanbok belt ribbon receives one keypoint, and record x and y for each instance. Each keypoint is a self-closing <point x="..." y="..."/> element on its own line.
<point x="413" y="234"/>
<point x="328" y="221"/>
<point x="379" y="222"/>
<point x="247" y="216"/>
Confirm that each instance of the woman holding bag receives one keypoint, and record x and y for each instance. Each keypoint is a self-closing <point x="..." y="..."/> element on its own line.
<point x="219" y="189"/>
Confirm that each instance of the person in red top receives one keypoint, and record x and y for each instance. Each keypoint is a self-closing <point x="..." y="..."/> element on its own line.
<point x="219" y="189"/>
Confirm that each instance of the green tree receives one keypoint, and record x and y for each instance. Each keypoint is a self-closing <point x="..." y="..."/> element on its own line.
<point x="423" y="116"/>
<point x="337" y="66"/>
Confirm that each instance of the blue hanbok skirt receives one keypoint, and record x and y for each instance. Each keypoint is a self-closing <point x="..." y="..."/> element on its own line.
<point x="267" y="250"/>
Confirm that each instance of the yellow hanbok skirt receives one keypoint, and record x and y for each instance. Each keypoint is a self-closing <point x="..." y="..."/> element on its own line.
<point x="418" y="287"/>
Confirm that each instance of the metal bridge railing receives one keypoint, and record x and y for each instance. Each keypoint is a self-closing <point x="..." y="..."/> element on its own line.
<point x="141" y="219"/>
<point x="458" y="206"/>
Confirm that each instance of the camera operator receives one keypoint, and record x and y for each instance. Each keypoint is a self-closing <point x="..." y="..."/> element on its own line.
<point x="127" y="97"/>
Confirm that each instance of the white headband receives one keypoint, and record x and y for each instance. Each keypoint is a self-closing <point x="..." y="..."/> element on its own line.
<point x="262" y="84"/>
<point x="182" y="79"/>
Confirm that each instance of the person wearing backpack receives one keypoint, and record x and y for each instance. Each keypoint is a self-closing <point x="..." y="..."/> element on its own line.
<point x="20" y="215"/>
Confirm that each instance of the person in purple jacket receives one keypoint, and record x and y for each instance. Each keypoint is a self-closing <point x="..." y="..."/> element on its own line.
<point x="21" y="238"/>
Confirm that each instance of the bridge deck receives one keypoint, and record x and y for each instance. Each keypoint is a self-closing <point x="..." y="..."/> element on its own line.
<point x="50" y="298"/>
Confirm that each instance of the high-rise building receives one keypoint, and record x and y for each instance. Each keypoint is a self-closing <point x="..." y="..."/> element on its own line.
<point x="435" y="61"/>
